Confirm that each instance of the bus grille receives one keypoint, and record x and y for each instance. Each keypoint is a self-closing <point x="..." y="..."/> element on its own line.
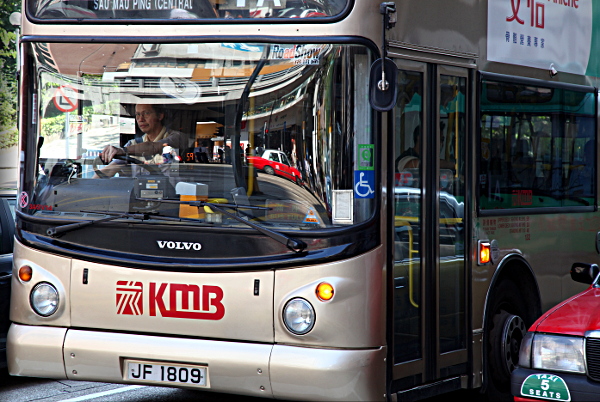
<point x="592" y="355"/>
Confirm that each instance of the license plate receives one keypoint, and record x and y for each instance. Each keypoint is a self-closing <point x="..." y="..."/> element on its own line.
<point x="166" y="373"/>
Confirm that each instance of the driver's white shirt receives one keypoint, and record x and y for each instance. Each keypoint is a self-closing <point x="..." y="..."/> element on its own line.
<point x="175" y="139"/>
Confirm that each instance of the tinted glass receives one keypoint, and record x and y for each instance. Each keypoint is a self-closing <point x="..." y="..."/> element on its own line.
<point x="538" y="147"/>
<point x="408" y="247"/>
<point x="237" y="124"/>
<point x="185" y="9"/>
<point x="452" y="138"/>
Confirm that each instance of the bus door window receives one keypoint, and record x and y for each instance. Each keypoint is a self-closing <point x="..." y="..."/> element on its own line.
<point x="430" y="143"/>
<point x="407" y="224"/>
<point x="451" y="249"/>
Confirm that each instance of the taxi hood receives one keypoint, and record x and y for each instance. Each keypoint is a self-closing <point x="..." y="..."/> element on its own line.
<point x="574" y="316"/>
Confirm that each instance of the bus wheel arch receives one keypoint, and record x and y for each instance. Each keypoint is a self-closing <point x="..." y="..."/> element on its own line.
<point x="513" y="304"/>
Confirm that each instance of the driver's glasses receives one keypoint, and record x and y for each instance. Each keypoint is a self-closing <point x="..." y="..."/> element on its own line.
<point x="143" y="114"/>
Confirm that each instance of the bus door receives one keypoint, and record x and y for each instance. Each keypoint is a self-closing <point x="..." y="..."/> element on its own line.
<point x="429" y="278"/>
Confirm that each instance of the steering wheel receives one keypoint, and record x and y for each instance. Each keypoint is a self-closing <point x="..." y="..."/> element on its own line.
<point x="152" y="169"/>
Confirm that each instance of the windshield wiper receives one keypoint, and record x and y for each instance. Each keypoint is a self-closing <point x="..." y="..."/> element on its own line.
<point x="291" y="243"/>
<point x="237" y="156"/>
<point x="55" y="231"/>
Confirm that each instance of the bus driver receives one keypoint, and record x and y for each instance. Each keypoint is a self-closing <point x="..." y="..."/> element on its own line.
<point x="150" y="120"/>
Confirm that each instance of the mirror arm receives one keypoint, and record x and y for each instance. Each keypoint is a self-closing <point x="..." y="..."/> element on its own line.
<point x="388" y="10"/>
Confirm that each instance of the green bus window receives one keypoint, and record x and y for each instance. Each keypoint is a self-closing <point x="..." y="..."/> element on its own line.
<point x="537" y="147"/>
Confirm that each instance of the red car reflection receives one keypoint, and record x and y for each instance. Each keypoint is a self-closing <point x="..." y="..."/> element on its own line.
<point x="275" y="162"/>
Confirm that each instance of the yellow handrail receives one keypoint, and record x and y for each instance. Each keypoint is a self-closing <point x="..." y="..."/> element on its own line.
<point x="406" y="222"/>
<point x="411" y="251"/>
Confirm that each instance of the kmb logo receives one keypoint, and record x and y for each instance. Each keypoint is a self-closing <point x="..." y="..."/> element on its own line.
<point x="174" y="300"/>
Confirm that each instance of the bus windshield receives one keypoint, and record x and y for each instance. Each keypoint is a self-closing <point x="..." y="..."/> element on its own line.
<point x="184" y="9"/>
<point x="182" y="132"/>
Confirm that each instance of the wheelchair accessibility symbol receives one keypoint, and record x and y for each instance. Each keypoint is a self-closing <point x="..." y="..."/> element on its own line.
<point x="364" y="183"/>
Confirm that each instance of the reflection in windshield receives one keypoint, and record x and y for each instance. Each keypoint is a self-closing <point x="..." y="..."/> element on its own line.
<point x="124" y="127"/>
<point x="185" y="9"/>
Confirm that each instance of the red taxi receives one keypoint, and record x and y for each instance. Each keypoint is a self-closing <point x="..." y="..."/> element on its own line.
<point x="275" y="162"/>
<point x="559" y="359"/>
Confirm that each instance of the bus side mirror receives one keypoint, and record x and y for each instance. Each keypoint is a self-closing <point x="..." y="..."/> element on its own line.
<point x="382" y="85"/>
<point x="585" y="273"/>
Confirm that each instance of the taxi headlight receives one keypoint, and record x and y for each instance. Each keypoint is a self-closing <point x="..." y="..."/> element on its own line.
<point x="298" y="316"/>
<point x="44" y="299"/>
<point x="525" y="350"/>
<point x="563" y="353"/>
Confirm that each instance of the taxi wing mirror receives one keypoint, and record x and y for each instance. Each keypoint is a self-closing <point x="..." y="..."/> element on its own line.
<point x="585" y="273"/>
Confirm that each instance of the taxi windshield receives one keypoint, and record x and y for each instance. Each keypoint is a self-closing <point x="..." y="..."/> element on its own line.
<point x="184" y="9"/>
<point x="180" y="132"/>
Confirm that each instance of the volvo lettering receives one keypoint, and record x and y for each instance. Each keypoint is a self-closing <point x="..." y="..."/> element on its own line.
<point x="179" y="245"/>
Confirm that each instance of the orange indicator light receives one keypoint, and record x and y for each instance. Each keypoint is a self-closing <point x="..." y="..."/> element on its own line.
<point x="324" y="291"/>
<point x="25" y="273"/>
<point x="484" y="253"/>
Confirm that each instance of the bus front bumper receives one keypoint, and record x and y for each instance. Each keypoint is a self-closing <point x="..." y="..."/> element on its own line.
<point x="264" y="370"/>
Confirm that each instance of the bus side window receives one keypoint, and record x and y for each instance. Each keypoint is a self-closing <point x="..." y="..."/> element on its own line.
<point x="522" y="164"/>
<point x="532" y="155"/>
<point x="581" y="179"/>
<point x="542" y="159"/>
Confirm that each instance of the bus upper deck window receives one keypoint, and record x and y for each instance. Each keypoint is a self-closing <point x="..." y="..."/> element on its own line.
<point x="197" y="10"/>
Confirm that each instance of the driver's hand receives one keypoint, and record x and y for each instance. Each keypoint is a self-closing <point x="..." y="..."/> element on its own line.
<point x="109" y="152"/>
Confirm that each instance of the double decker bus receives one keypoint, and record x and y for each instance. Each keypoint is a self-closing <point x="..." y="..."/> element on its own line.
<point x="444" y="176"/>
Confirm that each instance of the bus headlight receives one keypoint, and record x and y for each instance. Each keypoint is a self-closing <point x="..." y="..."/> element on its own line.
<point x="299" y="316"/>
<point x="564" y="353"/>
<point x="44" y="299"/>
